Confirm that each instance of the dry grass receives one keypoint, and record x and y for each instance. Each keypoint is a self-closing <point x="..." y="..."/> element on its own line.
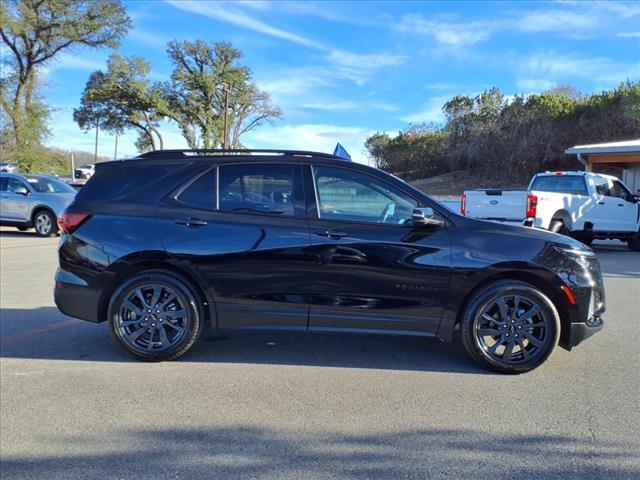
<point x="455" y="183"/>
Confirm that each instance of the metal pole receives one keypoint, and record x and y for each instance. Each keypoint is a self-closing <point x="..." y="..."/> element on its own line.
<point x="226" y="109"/>
<point x="73" y="168"/>
<point x="115" y="154"/>
<point x="95" y="154"/>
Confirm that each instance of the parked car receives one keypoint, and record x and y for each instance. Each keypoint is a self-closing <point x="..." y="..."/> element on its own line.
<point x="160" y="245"/>
<point x="85" y="171"/>
<point x="33" y="201"/>
<point x="584" y="205"/>
<point x="6" y="167"/>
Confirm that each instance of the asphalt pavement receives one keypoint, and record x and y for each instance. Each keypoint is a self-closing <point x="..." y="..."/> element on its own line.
<point x="274" y="405"/>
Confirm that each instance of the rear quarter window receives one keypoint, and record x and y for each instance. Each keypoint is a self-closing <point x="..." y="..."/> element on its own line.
<point x="120" y="180"/>
<point x="573" y="185"/>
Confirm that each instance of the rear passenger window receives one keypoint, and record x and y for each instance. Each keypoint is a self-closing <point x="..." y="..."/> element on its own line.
<point x="261" y="188"/>
<point x="201" y="192"/>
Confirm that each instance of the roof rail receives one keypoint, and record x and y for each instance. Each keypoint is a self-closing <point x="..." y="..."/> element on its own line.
<point x="205" y="152"/>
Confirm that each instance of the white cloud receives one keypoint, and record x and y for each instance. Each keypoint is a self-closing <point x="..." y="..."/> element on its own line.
<point x="431" y="113"/>
<point x="314" y="137"/>
<point x="358" y="67"/>
<point x="550" y="68"/>
<point x="219" y="11"/>
<point x="556" y="20"/>
<point x="447" y="33"/>
<point x="534" y="84"/>
<point x="629" y="34"/>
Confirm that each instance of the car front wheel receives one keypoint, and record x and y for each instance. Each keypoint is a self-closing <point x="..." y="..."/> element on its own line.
<point x="510" y="327"/>
<point x="155" y="316"/>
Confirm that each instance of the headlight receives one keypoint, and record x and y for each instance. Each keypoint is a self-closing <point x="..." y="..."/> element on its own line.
<point x="586" y="269"/>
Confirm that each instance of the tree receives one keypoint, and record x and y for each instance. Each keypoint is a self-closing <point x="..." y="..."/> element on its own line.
<point x="206" y="80"/>
<point x="35" y="31"/>
<point x="122" y="98"/>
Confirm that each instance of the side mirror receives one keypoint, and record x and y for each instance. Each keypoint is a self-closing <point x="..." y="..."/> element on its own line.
<point x="21" y="191"/>
<point x="424" y="217"/>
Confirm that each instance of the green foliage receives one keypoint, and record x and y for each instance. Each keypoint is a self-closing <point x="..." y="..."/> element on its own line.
<point x="122" y="98"/>
<point x="34" y="32"/>
<point x="206" y="80"/>
<point x="513" y="139"/>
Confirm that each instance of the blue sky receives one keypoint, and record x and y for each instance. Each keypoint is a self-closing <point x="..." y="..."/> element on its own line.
<point x="341" y="71"/>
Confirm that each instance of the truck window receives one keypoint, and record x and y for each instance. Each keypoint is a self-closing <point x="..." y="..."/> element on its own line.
<point x="572" y="184"/>
<point x="619" y="190"/>
<point x="602" y="186"/>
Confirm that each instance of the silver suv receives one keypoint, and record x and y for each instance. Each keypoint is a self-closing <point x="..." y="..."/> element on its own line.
<point x="33" y="201"/>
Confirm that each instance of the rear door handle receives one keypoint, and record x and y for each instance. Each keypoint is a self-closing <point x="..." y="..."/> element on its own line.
<point x="334" y="234"/>
<point x="600" y="203"/>
<point x="191" y="222"/>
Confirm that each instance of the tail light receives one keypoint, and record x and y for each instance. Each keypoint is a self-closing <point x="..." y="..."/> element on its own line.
<point x="532" y="206"/>
<point x="463" y="204"/>
<point x="70" y="221"/>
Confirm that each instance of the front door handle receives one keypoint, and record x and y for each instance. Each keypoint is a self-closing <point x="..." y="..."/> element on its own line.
<point x="621" y="204"/>
<point x="191" y="222"/>
<point x="333" y="234"/>
<point x="600" y="203"/>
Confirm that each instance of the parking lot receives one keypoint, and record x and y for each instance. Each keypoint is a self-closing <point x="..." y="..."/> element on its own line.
<point x="296" y="405"/>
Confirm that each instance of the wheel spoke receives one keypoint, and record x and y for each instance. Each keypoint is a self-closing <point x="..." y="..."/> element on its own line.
<point x="536" y="325"/>
<point x="128" y="323"/>
<point x="502" y="306"/>
<point x="169" y="299"/>
<point x="175" y="314"/>
<point x="525" y="353"/>
<point x="529" y="313"/>
<point x="164" y="340"/>
<point x="133" y="307"/>
<point x="175" y="327"/>
<point x="135" y="335"/>
<point x="138" y="293"/>
<point x="489" y="332"/>
<point x="157" y="291"/>
<point x="509" y="350"/>
<point x="533" y="340"/>
<point x="489" y="318"/>
<point x="494" y="347"/>
<point x="150" y="345"/>
<point x="516" y="304"/>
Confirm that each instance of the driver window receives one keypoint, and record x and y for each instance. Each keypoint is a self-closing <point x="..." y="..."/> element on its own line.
<point x="619" y="190"/>
<point x="14" y="184"/>
<point x="349" y="195"/>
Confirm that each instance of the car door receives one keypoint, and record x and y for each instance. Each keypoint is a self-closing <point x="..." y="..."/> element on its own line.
<point x="15" y="206"/>
<point x="614" y="210"/>
<point x="373" y="269"/>
<point x="243" y="229"/>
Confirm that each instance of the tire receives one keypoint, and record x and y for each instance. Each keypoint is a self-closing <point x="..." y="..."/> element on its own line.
<point x="45" y="223"/>
<point x="585" y="237"/>
<point x="143" y="318"/>
<point x="634" y="243"/>
<point x="558" y="226"/>
<point x="535" y="332"/>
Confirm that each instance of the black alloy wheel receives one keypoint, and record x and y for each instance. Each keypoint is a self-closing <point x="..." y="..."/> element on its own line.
<point x="155" y="316"/>
<point x="510" y="327"/>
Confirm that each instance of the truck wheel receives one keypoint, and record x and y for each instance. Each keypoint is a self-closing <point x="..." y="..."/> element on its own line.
<point x="584" y="237"/>
<point x="510" y="327"/>
<point x="558" y="226"/>
<point x="634" y="243"/>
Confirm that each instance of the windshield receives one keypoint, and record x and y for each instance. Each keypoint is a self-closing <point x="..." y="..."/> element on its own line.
<point x="49" y="185"/>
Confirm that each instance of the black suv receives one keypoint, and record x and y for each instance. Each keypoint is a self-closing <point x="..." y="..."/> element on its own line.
<point x="170" y="241"/>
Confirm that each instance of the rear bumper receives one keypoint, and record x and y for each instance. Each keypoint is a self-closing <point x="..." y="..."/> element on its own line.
<point x="73" y="297"/>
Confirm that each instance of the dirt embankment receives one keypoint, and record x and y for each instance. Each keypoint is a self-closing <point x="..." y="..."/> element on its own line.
<point x="452" y="185"/>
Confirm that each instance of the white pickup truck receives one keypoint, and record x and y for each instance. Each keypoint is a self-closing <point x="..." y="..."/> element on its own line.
<point x="584" y="205"/>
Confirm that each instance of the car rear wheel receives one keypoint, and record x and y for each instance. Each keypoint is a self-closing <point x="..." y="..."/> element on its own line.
<point x="155" y="316"/>
<point x="45" y="223"/>
<point x="510" y="327"/>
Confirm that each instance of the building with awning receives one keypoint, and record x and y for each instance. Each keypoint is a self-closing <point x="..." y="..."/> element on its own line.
<point x="619" y="158"/>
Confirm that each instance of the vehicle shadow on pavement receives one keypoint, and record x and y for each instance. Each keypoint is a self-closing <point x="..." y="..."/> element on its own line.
<point x="45" y="333"/>
<point x="254" y="452"/>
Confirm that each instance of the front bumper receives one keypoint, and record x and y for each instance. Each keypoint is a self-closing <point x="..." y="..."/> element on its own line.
<point x="581" y="331"/>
